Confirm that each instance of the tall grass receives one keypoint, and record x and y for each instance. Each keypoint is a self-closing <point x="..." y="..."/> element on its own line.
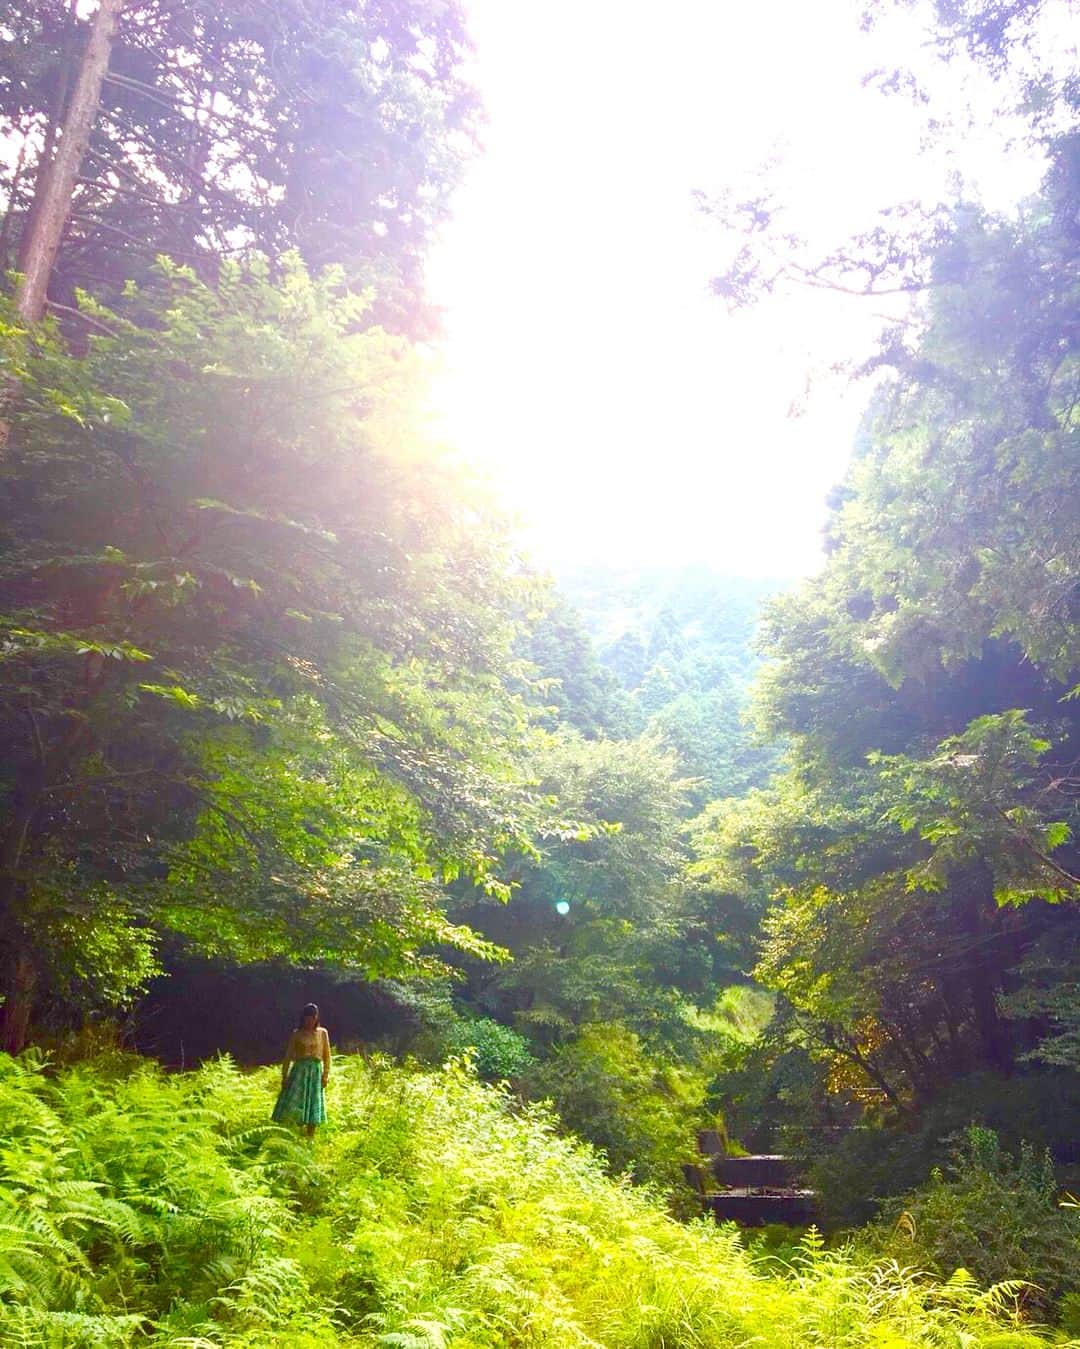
<point x="139" y="1208"/>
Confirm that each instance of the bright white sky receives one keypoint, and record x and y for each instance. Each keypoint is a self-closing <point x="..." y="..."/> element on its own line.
<point x="624" y="415"/>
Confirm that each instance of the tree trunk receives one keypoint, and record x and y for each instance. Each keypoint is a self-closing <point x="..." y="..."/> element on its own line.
<point x="20" y="976"/>
<point x="978" y="913"/>
<point x="20" y="986"/>
<point x="56" y="119"/>
<point x="19" y="971"/>
<point x="56" y="186"/>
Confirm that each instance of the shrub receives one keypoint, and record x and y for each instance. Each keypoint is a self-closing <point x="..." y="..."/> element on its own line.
<point x="873" y="1164"/>
<point x="993" y="1214"/>
<point x="499" y="1053"/>
<point x="641" y="1111"/>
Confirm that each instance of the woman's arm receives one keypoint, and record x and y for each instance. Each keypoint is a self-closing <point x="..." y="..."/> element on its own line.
<point x="325" y="1055"/>
<point x="287" y="1062"/>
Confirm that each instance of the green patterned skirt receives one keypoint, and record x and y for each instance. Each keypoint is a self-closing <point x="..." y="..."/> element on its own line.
<point x="302" y="1100"/>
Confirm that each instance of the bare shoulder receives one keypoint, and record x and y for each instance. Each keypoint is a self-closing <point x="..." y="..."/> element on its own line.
<point x="324" y="1033"/>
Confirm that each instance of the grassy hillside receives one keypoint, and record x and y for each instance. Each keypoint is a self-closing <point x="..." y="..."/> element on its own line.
<point x="142" y="1208"/>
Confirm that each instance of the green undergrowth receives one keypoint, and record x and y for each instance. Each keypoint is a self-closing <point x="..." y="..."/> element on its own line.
<point x="143" y="1208"/>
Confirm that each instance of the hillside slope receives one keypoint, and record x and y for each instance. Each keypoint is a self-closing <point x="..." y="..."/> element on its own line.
<point x="690" y="616"/>
<point x="679" y="642"/>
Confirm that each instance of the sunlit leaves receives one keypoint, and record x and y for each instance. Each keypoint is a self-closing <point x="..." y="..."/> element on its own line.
<point x="921" y="683"/>
<point x="281" y="621"/>
<point x="971" y="800"/>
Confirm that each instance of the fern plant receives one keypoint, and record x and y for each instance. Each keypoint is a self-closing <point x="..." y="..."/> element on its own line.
<point x="434" y="1212"/>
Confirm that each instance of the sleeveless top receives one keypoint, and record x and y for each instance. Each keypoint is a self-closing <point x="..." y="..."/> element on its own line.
<point x="311" y="1044"/>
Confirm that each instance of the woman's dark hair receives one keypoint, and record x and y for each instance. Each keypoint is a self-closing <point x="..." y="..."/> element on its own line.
<point x="309" y="1010"/>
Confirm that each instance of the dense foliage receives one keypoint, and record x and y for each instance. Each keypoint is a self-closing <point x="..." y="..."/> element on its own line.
<point x="331" y="127"/>
<point x="272" y="681"/>
<point x="994" y="1214"/>
<point x="136" y="1208"/>
<point x="915" y="862"/>
<point x="256" y="669"/>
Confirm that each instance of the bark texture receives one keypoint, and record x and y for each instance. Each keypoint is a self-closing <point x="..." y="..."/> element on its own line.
<point x="56" y="185"/>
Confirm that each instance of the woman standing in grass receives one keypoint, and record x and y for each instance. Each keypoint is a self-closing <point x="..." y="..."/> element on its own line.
<point x="304" y="1074"/>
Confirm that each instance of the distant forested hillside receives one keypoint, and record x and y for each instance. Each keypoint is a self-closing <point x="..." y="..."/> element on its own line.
<point x="674" y="649"/>
<point x="696" y="623"/>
